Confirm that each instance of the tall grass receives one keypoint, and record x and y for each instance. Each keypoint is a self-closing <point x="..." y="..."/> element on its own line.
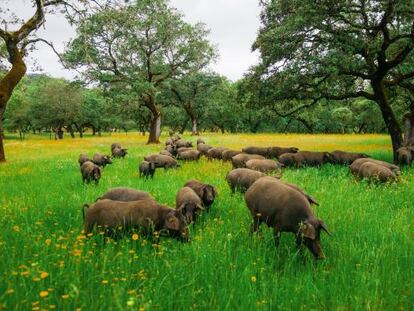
<point x="46" y="262"/>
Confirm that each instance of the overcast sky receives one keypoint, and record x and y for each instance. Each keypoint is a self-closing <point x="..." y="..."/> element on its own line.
<point x="233" y="25"/>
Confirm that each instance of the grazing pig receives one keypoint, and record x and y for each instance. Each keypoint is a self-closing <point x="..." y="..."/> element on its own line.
<point x="264" y="166"/>
<point x="169" y="141"/>
<point x="269" y="152"/>
<point x="228" y="154"/>
<point x="125" y="194"/>
<point x="215" y="153"/>
<point x="147" y="215"/>
<point x="116" y="145"/>
<point x="376" y="171"/>
<point x="190" y="155"/>
<point x="206" y="192"/>
<point x="305" y="158"/>
<point x="343" y="157"/>
<point x="182" y="149"/>
<point x="355" y="166"/>
<point x="242" y="178"/>
<point x="200" y="141"/>
<point x="263" y="151"/>
<point x="314" y="158"/>
<point x="290" y="159"/>
<point x="239" y="161"/>
<point x="405" y="155"/>
<point x="165" y="152"/>
<point x="203" y="148"/>
<point x="162" y="161"/>
<point x="276" y="152"/>
<point x="285" y="209"/>
<point x="83" y="158"/>
<point x="101" y="160"/>
<point x="147" y="169"/>
<point x="182" y="143"/>
<point x="189" y="203"/>
<point x="119" y="152"/>
<point x="90" y="171"/>
<point x="171" y="149"/>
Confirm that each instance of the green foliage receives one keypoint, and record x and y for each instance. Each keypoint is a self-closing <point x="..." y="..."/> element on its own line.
<point x="139" y="45"/>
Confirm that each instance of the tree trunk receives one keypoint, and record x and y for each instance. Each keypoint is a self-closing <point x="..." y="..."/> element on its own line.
<point x="391" y="122"/>
<point x="93" y="130"/>
<point x="194" y="124"/>
<point x="71" y="131"/>
<point x="2" y="153"/>
<point x="7" y="85"/>
<point x="155" y="130"/>
<point x="59" y="133"/>
<point x="155" y="125"/>
<point x="409" y="128"/>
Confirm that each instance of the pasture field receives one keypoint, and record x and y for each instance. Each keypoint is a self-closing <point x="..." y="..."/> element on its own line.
<point x="47" y="263"/>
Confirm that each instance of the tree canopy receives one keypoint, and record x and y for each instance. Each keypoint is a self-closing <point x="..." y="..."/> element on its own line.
<point x="139" y="46"/>
<point x="313" y="50"/>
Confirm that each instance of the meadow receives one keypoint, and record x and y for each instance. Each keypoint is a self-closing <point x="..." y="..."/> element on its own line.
<point x="47" y="263"/>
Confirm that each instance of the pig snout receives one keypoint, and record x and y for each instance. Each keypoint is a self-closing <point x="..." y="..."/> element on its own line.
<point x="315" y="248"/>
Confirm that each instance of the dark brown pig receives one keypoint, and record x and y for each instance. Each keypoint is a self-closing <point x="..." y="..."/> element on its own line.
<point x="189" y="203"/>
<point x="119" y="152"/>
<point x="264" y="166"/>
<point x="239" y="161"/>
<point x="276" y="152"/>
<point x="242" y="178"/>
<point x="284" y="209"/>
<point x="83" y="158"/>
<point x="405" y="155"/>
<point x="355" y="166"/>
<point x="189" y="155"/>
<point x="215" y="153"/>
<point x="162" y="161"/>
<point x="126" y="194"/>
<point x="90" y="172"/>
<point x="376" y="171"/>
<point x="228" y="154"/>
<point x="148" y="215"/>
<point x="200" y="141"/>
<point x="147" y="169"/>
<point x="343" y="157"/>
<point x="204" y="148"/>
<point x="101" y="159"/>
<point x="206" y="192"/>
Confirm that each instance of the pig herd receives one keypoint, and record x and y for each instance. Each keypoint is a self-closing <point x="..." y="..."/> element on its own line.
<point x="257" y="172"/>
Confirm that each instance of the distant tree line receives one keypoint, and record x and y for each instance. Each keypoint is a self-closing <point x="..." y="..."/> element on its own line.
<point x="203" y="102"/>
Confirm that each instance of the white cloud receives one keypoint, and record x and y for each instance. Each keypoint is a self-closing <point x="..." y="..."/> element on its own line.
<point x="233" y="25"/>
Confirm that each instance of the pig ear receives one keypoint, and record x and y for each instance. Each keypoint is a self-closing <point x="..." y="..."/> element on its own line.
<point x="324" y="227"/>
<point x="172" y="222"/>
<point x="308" y="230"/>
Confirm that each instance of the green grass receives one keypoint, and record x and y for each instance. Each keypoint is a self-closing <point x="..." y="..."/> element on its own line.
<point x="370" y="257"/>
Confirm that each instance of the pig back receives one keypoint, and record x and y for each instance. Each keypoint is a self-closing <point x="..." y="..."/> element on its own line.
<point x="277" y="204"/>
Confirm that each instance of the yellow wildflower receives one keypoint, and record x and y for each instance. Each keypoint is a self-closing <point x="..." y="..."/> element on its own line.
<point x="135" y="236"/>
<point x="253" y="278"/>
<point x="43" y="294"/>
<point x="44" y="275"/>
